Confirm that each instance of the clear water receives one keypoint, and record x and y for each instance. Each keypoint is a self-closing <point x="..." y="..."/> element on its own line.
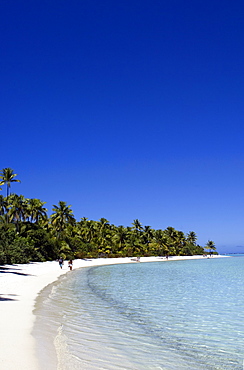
<point x="158" y="315"/>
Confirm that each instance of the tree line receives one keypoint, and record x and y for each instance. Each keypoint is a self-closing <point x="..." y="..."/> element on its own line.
<point x="28" y="234"/>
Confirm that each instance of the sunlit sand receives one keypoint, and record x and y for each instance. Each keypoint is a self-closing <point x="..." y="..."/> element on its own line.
<point x="19" y="287"/>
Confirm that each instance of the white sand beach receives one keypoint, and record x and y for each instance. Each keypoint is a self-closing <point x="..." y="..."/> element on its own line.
<point x="19" y="288"/>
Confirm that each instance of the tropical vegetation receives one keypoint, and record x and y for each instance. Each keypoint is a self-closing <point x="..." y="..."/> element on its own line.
<point x="210" y="246"/>
<point x="27" y="233"/>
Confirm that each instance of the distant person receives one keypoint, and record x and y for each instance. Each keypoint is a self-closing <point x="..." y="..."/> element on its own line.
<point x="70" y="264"/>
<point x="61" y="262"/>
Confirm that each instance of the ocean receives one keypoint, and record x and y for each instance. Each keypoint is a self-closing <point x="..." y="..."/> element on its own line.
<point x="169" y="315"/>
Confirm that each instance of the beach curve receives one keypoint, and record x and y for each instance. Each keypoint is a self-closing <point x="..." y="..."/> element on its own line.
<point x="19" y="287"/>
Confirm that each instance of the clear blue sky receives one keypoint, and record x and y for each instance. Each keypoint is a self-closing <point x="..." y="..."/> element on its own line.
<point x="128" y="109"/>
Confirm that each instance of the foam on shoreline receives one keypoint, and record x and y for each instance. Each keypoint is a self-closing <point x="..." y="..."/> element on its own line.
<point x="19" y="287"/>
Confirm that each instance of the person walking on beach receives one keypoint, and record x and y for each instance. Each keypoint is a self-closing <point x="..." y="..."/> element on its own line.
<point x="70" y="264"/>
<point x="61" y="261"/>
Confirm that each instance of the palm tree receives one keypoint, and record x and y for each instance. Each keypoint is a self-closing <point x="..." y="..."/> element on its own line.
<point x="103" y="235"/>
<point x="171" y="234"/>
<point x="103" y="224"/>
<point x="190" y="246"/>
<point x="191" y="238"/>
<point x="210" y="246"/>
<point x="92" y="230"/>
<point x="36" y="210"/>
<point x="180" y="242"/>
<point x="160" y="244"/>
<point x="120" y="237"/>
<point x="147" y="234"/>
<point x="137" y="225"/>
<point x="62" y="216"/>
<point x="7" y="176"/>
<point x="17" y="209"/>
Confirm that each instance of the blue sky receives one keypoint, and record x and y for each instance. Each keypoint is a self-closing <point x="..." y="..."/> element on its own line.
<point x="128" y="109"/>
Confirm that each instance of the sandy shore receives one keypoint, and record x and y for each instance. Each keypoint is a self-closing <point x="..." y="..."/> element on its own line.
<point x="19" y="287"/>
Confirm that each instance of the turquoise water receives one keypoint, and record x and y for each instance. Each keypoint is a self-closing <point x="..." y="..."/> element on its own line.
<point x="158" y="315"/>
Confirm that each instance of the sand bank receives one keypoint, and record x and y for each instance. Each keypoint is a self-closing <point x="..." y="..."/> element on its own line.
<point x="19" y="287"/>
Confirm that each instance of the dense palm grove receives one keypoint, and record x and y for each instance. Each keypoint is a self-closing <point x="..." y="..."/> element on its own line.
<point x="28" y="234"/>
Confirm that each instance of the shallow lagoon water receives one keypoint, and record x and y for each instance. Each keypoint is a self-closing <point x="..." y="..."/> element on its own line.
<point x="158" y="315"/>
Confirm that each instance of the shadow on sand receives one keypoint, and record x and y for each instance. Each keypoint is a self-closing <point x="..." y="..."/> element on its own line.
<point x="8" y="299"/>
<point x="12" y="270"/>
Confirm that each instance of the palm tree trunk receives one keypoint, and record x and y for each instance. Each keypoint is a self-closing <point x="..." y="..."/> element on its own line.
<point x="8" y="189"/>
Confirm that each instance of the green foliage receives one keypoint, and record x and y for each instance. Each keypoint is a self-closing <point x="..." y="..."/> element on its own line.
<point x="210" y="246"/>
<point x="16" y="249"/>
<point x="44" y="245"/>
<point x="27" y="234"/>
<point x="6" y="239"/>
<point x="22" y="251"/>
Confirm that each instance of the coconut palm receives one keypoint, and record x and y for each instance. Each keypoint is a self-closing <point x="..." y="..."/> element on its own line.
<point x="103" y="224"/>
<point x="172" y="236"/>
<point x="62" y="216"/>
<point x="36" y="210"/>
<point x="158" y="242"/>
<point x="7" y="176"/>
<point x="104" y="235"/>
<point x="137" y="225"/>
<point x="17" y="209"/>
<point x="171" y="233"/>
<point x="120" y="237"/>
<point x="210" y="246"/>
<point x="147" y="234"/>
<point x="191" y="238"/>
<point x="134" y="243"/>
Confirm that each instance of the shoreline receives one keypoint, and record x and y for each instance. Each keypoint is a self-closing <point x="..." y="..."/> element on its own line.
<point x="20" y="286"/>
